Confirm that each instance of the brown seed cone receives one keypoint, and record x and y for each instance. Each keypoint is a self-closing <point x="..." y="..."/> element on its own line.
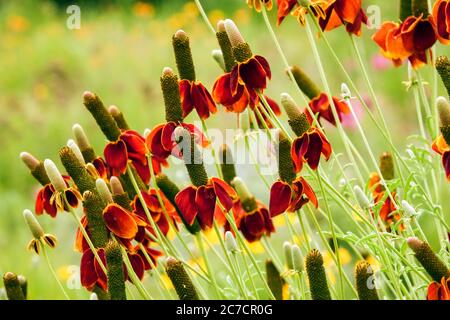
<point x="12" y="287"/>
<point x="171" y="95"/>
<point x="298" y="121"/>
<point x="435" y="267"/>
<point x="316" y="276"/>
<point x="242" y="52"/>
<point x="93" y="207"/>
<point x="76" y="170"/>
<point x="364" y="285"/>
<point x="181" y="280"/>
<point x="119" y="118"/>
<point x="285" y="165"/>
<point x="227" y="51"/>
<point x="115" y="271"/>
<point x="183" y="56"/>
<point x="443" y="68"/>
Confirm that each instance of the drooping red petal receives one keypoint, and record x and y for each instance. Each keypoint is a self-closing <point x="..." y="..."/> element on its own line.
<point x="284" y="8"/>
<point x="185" y="201"/>
<point x="253" y="75"/>
<point x="202" y="100"/>
<point x="116" y="156"/>
<point x="102" y="280"/>
<point x="159" y="147"/>
<point x="224" y="193"/>
<point x="138" y="264"/>
<point x="206" y="202"/>
<point x="280" y="198"/>
<point x="119" y="221"/>
<point x="187" y="104"/>
<point x="446" y="164"/>
<point x="88" y="275"/>
<point x="136" y="147"/>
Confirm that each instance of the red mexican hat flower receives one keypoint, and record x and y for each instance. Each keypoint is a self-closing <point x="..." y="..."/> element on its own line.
<point x="120" y="222"/>
<point x="233" y="101"/>
<point x="441" y="147"/>
<point x="389" y="39"/>
<point x="47" y="202"/>
<point x="161" y="141"/>
<point x="439" y="291"/>
<point x="290" y="197"/>
<point x="309" y="147"/>
<point x="284" y="8"/>
<point x="91" y="273"/>
<point x="202" y="202"/>
<point x="130" y="146"/>
<point x="344" y="12"/>
<point x="321" y="105"/>
<point x="441" y="15"/>
<point x="102" y="168"/>
<point x="156" y="211"/>
<point x="194" y="95"/>
<point x="254" y="223"/>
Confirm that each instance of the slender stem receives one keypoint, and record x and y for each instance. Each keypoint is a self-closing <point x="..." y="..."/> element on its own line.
<point x="52" y="271"/>
<point x="204" y="16"/>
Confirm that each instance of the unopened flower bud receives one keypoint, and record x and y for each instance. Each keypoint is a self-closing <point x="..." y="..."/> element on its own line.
<point x="287" y="249"/>
<point x="230" y="242"/>
<point x="103" y="190"/>
<point x="83" y="143"/>
<point x="408" y="209"/>
<point x="36" y="167"/>
<point x="361" y="197"/>
<point x="54" y="175"/>
<point x="297" y="258"/>
<point x="93" y="296"/>
<point x="34" y="225"/>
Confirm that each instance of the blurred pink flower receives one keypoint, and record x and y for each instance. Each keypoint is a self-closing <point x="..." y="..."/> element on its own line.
<point x="380" y="63"/>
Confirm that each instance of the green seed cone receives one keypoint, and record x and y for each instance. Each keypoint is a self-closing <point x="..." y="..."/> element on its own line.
<point x="114" y="267"/>
<point x="305" y="83"/>
<point x="405" y="9"/>
<point x="276" y="283"/>
<point x="435" y="267"/>
<point x="183" y="56"/>
<point x="171" y="95"/>
<point x="94" y="206"/>
<point x="40" y="175"/>
<point x="443" y="68"/>
<point x="180" y="280"/>
<point x="316" y="276"/>
<point x="125" y="180"/>
<point x="123" y="200"/>
<point x="101" y="295"/>
<point x="298" y="120"/>
<point x="387" y="166"/>
<point x="443" y="108"/>
<point x="192" y="157"/>
<point x="12" y="287"/>
<point x="83" y="143"/>
<point x="170" y="190"/>
<point x="227" y="51"/>
<point x="242" y="52"/>
<point x="83" y="180"/>
<point x="285" y="166"/>
<point x="227" y="164"/>
<point x="364" y="286"/>
<point x="103" y="118"/>
<point x="119" y="118"/>
<point x="419" y="7"/>
<point x="248" y="200"/>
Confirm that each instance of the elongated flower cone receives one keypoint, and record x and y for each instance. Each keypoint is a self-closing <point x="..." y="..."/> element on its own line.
<point x="419" y="7"/>
<point x="298" y="120"/>
<point x="316" y="276"/>
<point x="171" y="94"/>
<point x="276" y="283"/>
<point x="286" y="169"/>
<point x="23" y="284"/>
<point x="227" y="164"/>
<point x="365" y="285"/>
<point x="119" y="195"/>
<point x="115" y="274"/>
<point x="118" y="116"/>
<point x="305" y="83"/>
<point x="387" y="166"/>
<point x="78" y="172"/>
<point x="83" y="143"/>
<point x="180" y="279"/>
<point x="12" y="287"/>
<point x="435" y="267"/>
<point x="101" y="115"/>
<point x="94" y="207"/>
<point x="225" y="46"/>
<point x="443" y="68"/>
<point x="183" y="56"/>
<point x="36" y="167"/>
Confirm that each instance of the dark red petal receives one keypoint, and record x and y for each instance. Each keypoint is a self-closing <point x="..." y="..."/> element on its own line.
<point x="263" y="62"/>
<point x="143" y="170"/>
<point x="88" y="275"/>
<point x="206" y="202"/>
<point x="102" y="280"/>
<point x="155" y="143"/>
<point x="119" y="221"/>
<point x="185" y="201"/>
<point x="72" y="198"/>
<point x="116" y="156"/>
<point x="136" y="147"/>
<point x="280" y="198"/>
<point x="224" y="193"/>
<point x="253" y="75"/>
<point x="186" y="100"/>
<point x="138" y="265"/>
<point x="446" y="164"/>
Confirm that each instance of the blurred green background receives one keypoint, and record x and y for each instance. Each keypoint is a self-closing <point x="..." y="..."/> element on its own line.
<point x="119" y="53"/>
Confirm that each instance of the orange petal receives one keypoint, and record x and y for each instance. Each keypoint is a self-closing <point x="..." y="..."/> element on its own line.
<point x="119" y="221"/>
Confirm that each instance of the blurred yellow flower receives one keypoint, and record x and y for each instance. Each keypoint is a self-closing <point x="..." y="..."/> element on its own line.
<point x="64" y="272"/>
<point x="256" y="247"/>
<point x="166" y="280"/>
<point x="196" y="263"/>
<point x="177" y="21"/>
<point x="331" y="276"/>
<point x="216" y="15"/>
<point x="17" y="23"/>
<point x="241" y="16"/>
<point x="143" y="9"/>
<point x="212" y="237"/>
<point x="190" y="10"/>
<point x="344" y="255"/>
<point x="373" y="262"/>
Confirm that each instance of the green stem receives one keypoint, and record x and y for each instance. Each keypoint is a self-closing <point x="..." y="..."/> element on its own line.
<point x="52" y="271"/>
